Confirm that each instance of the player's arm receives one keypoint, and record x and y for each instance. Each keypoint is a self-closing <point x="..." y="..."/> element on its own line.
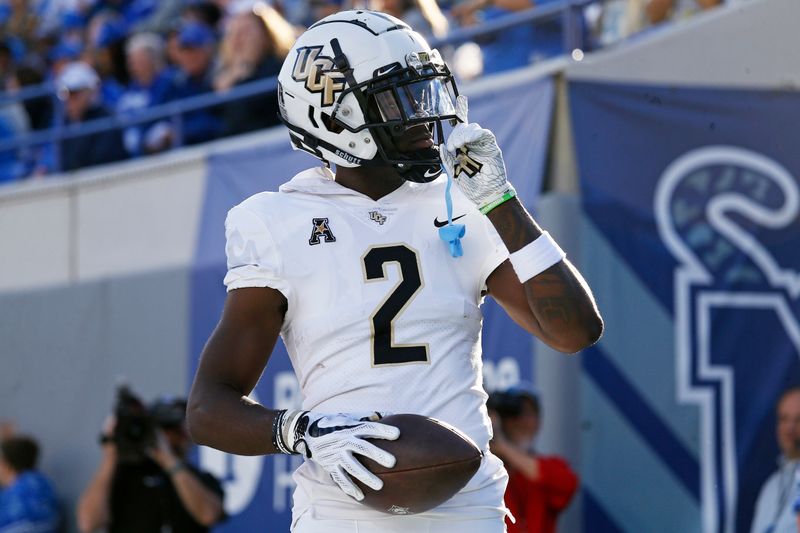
<point x="538" y="288"/>
<point x="219" y="412"/>
<point x="556" y="305"/>
<point x="221" y="415"/>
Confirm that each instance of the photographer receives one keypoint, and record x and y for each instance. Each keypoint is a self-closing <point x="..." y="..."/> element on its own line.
<point x="143" y="483"/>
<point x="539" y="487"/>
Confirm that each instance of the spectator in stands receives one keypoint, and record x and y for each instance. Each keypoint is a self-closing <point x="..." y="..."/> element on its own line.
<point x="27" y="500"/>
<point x="614" y="20"/>
<point x="135" y="11"/>
<point x="6" y="59"/>
<point x="319" y="9"/>
<point x="63" y="54"/>
<point x="194" y="56"/>
<point x="78" y="86"/>
<point x="172" y="49"/>
<point x="110" y="62"/>
<point x="513" y="47"/>
<point x="422" y="15"/>
<point x="775" y="511"/>
<point x="662" y="10"/>
<point x="150" y="81"/>
<point x="51" y="16"/>
<point x="191" y="12"/>
<point x="14" y="121"/>
<point x="539" y="487"/>
<point x="203" y="12"/>
<point x="162" y="19"/>
<point x="39" y="109"/>
<point x="294" y="11"/>
<point x="253" y="47"/>
<point x="156" y="493"/>
<point x="73" y="27"/>
<point x="22" y="23"/>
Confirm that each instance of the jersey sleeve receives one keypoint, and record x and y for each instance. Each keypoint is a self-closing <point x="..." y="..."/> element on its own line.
<point x="495" y="249"/>
<point x="253" y="257"/>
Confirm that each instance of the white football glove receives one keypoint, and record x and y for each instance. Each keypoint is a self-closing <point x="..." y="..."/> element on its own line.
<point x="330" y="440"/>
<point x="475" y="162"/>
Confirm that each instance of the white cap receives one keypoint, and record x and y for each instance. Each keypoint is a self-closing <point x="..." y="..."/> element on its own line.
<point x="77" y="76"/>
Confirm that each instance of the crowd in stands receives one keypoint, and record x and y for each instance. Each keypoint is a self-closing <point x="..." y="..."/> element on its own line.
<point x="116" y="57"/>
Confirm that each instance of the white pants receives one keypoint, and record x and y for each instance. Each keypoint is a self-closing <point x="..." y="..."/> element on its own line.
<point x="400" y="524"/>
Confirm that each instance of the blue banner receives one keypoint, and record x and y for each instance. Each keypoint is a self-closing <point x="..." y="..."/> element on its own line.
<point x="258" y="489"/>
<point x="692" y="197"/>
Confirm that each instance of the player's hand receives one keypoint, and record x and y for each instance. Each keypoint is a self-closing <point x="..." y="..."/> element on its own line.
<point x="473" y="159"/>
<point x="161" y="452"/>
<point x="330" y="440"/>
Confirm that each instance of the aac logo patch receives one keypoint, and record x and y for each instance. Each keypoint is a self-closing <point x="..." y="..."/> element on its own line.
<point x="322" y="229"/>
<point x="318" y="73"/>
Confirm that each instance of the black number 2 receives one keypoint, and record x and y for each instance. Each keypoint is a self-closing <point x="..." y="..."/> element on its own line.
<point x="384" y="350"/>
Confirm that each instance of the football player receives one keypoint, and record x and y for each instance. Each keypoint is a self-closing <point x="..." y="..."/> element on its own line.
<point x="373" y="286"/>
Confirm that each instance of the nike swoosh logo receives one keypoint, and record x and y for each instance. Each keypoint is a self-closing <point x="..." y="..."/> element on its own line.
<point x="315" y="431"/>
<point x="442" y="224"/>
<point x="430" y="174"/>
<point x="385" y="70"/>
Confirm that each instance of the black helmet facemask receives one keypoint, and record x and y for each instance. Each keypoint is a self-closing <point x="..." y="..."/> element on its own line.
<point x="398" y="98"/>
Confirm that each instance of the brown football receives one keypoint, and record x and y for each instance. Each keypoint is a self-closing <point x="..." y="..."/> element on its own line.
<point x="434" y="462"/>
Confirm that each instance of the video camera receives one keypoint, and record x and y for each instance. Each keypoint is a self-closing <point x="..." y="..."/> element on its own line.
<point x="135" y="430"/>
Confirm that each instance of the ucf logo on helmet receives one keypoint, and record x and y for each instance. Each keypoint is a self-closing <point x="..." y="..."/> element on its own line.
<point x="318" y="74"/>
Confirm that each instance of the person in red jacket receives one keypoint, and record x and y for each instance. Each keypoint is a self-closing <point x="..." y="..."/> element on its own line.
<point x="539" y="487"/>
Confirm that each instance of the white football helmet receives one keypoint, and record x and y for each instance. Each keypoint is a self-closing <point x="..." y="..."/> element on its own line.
<point x="355" y="80"/>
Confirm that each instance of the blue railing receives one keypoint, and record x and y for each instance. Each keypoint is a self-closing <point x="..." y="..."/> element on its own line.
<point x="568" y="10"/>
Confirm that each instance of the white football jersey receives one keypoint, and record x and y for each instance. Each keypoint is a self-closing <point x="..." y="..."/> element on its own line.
<point x="380" y="316"/>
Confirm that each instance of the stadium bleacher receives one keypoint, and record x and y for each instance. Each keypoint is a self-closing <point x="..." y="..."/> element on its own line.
<point x="169" y="108"/>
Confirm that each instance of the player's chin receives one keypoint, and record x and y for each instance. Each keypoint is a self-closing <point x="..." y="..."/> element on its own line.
<point x="410" y="147"/>
<point x="414" y="139"/>
<point x="422" y="153"/>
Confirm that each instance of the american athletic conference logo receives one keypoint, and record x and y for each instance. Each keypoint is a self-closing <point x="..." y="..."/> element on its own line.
<point x="320" y="229"/>
<point x="318" y="74"/>
<point x="708" y="203"/>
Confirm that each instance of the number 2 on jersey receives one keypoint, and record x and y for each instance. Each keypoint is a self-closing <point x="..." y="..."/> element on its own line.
<point x="384" y="350"/>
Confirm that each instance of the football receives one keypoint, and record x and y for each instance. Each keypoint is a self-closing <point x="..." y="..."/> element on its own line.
<point x="434" y="462"/>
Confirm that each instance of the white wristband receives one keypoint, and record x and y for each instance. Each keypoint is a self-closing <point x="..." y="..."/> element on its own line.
<point x="536" y="257"/>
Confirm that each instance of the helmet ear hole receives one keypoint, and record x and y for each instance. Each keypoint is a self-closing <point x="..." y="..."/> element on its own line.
<point x="330" y="124"/>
